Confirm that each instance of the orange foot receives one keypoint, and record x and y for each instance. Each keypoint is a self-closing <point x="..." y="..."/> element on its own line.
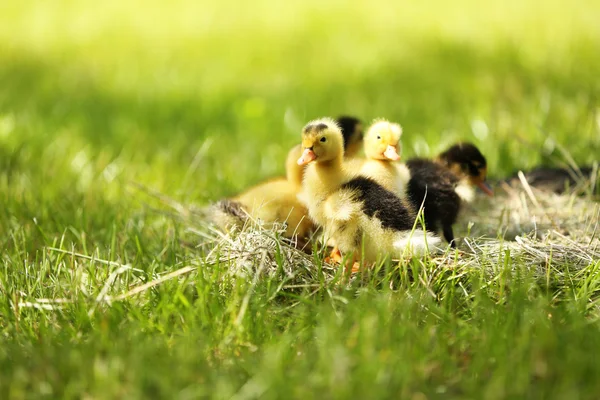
<point x="335" y="257"/>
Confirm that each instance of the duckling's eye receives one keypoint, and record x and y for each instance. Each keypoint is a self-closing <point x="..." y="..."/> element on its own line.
<point x="323" y="139"/>
<point x="378" y="137"/>
<point x="473" y="169"/>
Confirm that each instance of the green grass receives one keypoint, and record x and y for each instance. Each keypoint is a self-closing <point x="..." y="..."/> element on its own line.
<point x="199" y="101"/>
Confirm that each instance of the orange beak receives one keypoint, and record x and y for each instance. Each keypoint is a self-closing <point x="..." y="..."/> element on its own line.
<point x="307" y="156"/>
<point x="391" y="153"/>
<point x="485" y="188"/>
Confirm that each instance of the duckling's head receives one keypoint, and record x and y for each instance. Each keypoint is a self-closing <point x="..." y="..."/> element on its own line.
<point x="465" y="159"/>
<point x="322" y="141"/>
<point x="352" y="131"/>
<point x="382" y="141"/>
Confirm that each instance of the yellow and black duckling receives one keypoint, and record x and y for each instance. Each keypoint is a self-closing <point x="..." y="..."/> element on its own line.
<point x="441" y="185"/>
<point x="277" y="200"/>
<point x="381" y="147"/>
<point x="364" y="219"/>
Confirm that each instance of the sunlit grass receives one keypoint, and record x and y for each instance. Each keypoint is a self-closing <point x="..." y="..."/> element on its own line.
<point x="199" y="100"/>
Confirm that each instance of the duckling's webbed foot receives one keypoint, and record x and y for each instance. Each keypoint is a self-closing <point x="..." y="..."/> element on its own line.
<point x="335" y="257"/>
<point x="352" y="266"/>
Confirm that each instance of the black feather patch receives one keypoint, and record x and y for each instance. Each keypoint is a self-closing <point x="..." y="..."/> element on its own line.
<point x="434" y="186"/>
<point x="381" y="204"/>
<point x="348" y="126"/>
<point x="467" y="155"/>
<point x="315" y="127"/>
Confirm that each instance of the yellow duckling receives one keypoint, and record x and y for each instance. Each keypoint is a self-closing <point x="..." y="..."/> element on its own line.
<point x="364" y="219"/>
<point x="382" y="147"/>
<point x="277" y="200"/>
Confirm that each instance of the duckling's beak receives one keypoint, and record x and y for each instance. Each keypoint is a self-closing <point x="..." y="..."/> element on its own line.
<point x="483" y="185"/>
<point x="391" y="153"/>
<point x="307" y="156"/>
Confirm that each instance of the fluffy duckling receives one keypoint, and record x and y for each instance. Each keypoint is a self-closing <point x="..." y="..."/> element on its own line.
<point x="554" y="179"/>
<point x="465" y="160"/>
<point x="353" y="208"/>
<point x="442" y="185"/>
<point x="277" y="200"/>
<point x="382" y="147"/>
<point x="352" y="131"/>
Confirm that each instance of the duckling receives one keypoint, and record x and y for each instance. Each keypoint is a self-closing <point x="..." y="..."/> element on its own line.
<point x="352" y="208"/>
<point x="382" y="146"/>
<point x="553" y="179"/>
<point x="277" y="200"/>
<point x="465" y="160"/>
<point x="352" y="131"/>
<point x="442" y="185"/>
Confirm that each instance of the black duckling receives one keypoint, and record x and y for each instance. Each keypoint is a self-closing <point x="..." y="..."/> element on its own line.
<point x="552" y="179"/>
<point x="442" y="185"/>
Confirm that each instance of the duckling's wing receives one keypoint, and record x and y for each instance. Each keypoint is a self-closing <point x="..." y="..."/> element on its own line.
<point x="342" y="205"/>
<point x="378" y="203"/>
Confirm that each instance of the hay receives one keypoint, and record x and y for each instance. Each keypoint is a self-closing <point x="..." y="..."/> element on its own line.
<point x="522" y="211"/>
<point x="255" y="248"/>
<point x="541" y="230"/>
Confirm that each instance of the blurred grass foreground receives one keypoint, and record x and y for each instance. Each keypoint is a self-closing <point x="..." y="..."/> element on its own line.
<point x="199" y="100"/>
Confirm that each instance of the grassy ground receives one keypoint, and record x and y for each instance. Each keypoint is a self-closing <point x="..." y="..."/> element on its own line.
<point x="198" y="101"/>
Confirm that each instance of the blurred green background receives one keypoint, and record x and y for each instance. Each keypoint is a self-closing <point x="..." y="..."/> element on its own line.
<point x="201" y="99"/>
